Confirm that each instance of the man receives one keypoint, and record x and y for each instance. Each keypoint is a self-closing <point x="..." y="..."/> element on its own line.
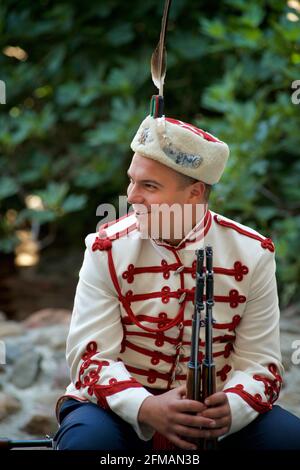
<point x="130" y="334"/>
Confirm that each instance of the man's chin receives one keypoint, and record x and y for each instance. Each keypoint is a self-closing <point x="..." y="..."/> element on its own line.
<point x="142" y="224"/>
<point x="144" y="233"/>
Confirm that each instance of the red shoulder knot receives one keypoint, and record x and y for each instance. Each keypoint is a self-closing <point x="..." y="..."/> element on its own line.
<point x="102" y="244"/>
<point x="268" y="244"/>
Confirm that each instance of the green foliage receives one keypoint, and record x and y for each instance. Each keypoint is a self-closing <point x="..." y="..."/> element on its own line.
<point x="75" y="103"/>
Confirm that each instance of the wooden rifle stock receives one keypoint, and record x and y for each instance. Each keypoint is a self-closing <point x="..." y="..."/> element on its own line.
<point x="201" y="378"/>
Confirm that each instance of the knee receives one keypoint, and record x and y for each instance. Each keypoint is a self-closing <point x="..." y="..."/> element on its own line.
<point x="90" y="428"/>
<point x="288" y="426"/>
<point x="275" y="430"/>
<point x="87" y="436"/>
<point x="282" y="432"/>
<point x="79" y="438"/>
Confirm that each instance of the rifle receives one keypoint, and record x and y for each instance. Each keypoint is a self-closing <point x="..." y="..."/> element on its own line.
<point x="201" y="379"/>
<point x="8" y="444"/>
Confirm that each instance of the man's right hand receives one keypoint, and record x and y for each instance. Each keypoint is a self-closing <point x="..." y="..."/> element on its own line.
<point x="174" y="416"/>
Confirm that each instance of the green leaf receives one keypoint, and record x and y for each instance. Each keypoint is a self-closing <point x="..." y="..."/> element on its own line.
<point x="41" y="216"/>
<point x="8" y="187"/>
<point x="68" y="93"/>
<point x="214" y="28"/>
<point x="74" y="202"/>
<point x="88" y="178"/>
<point x="120" y="34"/>
<point x="8" y="244"/>
<point x="53" y="195"/>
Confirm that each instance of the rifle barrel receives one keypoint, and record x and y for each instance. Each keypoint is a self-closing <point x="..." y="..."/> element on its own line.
<point x="7" y="444"/>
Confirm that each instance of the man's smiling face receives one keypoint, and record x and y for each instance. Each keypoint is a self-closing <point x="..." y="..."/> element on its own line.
<point x="151" y="184"/>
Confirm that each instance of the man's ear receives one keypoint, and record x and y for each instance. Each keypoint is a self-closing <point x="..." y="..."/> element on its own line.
<point x="197" y="191"/>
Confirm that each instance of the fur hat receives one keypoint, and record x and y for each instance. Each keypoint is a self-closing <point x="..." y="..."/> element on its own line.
<point x="182" y="147"/>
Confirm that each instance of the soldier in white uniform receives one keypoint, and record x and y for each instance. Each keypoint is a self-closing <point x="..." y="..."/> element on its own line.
<point x="130" y="335"/>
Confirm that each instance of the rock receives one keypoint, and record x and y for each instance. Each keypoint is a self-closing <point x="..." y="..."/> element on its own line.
<point x="3" y="317"/>
<point x="26" y="369"/>
<point x="61" y="376"/>
<point x="46" y="401"/>
<point x="40" y="425"/>
<point x="10" y="328"/>
<point x="3" y="358"/>
<point x="58" y="341"/>
<point x="16" y="348"/>
<point x="289" y="342"/>
<point x="289" y="400"/>
<point x="8" y="405"/>
<point x="48" y="316"/>
<point x="289" y="325"/>
<point x="53" y="336"/>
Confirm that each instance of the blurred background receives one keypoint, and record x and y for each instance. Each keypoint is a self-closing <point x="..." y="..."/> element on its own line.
<point x="78" y="85"/>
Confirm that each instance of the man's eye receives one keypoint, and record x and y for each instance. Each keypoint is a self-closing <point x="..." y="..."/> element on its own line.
<point x="150" y="186"/>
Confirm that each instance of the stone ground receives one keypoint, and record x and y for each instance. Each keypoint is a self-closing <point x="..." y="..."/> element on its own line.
<point x="36" y="373"/>
<point x="290" y="344"/>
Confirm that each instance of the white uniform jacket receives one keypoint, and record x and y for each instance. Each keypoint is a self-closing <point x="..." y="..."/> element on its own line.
<point x="131" y="323"/>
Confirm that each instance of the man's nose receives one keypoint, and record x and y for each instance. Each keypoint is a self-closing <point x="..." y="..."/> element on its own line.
<point x="134" y="196"/>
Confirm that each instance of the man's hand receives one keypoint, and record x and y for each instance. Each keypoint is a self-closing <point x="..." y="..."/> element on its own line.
<point x="176" y="417"/>
<point x="217" y="409"/>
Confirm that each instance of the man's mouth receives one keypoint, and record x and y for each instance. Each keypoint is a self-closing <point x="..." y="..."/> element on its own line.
<point x="141" y="213"/>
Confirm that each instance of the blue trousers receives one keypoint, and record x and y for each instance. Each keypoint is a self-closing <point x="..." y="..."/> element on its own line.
<point x="85" y="426"/>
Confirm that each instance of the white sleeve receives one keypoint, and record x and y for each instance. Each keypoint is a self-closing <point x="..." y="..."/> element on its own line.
<point x="94" y="343"/>
<point x="256" y="359"/>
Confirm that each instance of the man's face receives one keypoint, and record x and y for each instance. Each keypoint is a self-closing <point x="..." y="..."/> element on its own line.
<point x="152" y="185"/>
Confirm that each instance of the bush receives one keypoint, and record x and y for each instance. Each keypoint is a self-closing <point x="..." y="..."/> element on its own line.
<point x="80" y="84"/>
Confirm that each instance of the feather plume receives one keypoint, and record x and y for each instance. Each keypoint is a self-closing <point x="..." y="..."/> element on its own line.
<point x="159" y="56"/>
